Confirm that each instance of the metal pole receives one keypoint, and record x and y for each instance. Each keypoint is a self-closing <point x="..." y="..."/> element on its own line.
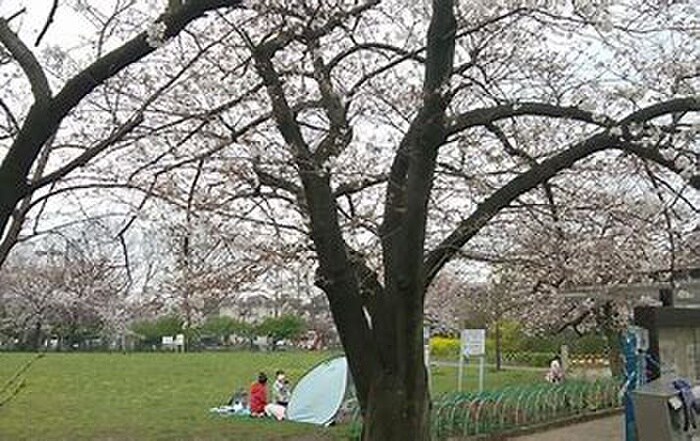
<point x="460" y="371"/>
<point x="630" y="352"/>
<point x="426" y="351"/>
<point x="564" y="354"/>
<point x="481" y="374"/>
<point x="430" y="373"/>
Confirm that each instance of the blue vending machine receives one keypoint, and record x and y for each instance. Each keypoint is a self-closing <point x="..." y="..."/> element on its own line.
<point x="635" y="345"/>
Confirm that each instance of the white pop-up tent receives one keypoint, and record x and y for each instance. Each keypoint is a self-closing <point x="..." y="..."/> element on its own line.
<point x="321" y="392"/>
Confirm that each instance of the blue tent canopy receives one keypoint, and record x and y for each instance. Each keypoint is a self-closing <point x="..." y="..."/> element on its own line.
<point x="320" y="393"/>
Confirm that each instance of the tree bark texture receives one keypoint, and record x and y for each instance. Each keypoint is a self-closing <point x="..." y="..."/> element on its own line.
<point x="606" y="321"/>
<point x="399" y="409"/>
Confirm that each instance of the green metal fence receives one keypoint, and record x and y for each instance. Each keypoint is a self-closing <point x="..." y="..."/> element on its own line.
<point x="468" y="414"/>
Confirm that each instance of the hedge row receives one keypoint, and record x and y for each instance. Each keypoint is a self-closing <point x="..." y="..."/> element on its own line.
<point x="448" y="348"/>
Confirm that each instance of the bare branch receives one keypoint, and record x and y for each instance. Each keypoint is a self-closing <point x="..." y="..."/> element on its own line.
<point x="10" y="116"/>
<point x="270" y="180"/>
<point x="86" y="156"/>
<point x="27" y="61"/>
<point x="16" y="14"/>
<point x="350" y="188"/>
<point x="339" y="135"/>
<point x="49" y="20"/>
<point x="482" y="117"/>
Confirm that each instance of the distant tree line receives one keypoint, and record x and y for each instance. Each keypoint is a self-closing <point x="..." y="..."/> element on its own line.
<point x="219" y="331"/>
<point x="90" y="333"/>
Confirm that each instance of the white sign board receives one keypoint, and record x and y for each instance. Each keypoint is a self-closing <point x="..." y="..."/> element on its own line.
<point x="167" y="340"/>
<point x="473" y="342"/>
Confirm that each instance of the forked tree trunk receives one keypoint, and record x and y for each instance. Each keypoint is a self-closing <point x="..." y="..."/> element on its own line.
<point x="380" y="324"/>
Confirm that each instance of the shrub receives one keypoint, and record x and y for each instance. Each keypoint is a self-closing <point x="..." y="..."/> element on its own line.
<point x="285" y="327"/>
<point x="443" y="347"/>
<point x="532" y="359"/>
<point x="151" y="331"/>
<point x="512" y="337"/>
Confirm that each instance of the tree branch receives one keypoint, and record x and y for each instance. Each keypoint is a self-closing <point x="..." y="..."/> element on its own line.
<point x="482" y="117"/>
<point x="45" y="116"/>
<point x="86" y="156"/>
<point x="49" y="20"/>
<point x="270" y="180"/>
<point x="404" y="216"/>
<point x="339" y="134"/>
<point x="27" y="61"/>
<point x="544" y="171"/>
<point x="336" y="275"/>
<point x="350" y="188"/>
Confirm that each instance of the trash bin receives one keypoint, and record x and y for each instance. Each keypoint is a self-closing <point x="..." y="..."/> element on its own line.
<point x="659" y="412"/>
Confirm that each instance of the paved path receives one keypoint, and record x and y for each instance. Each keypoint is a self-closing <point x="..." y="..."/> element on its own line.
<point x="602" y="429"/>
<point x="445" y="363"/>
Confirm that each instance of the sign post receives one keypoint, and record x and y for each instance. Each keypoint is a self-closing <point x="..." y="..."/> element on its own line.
<point x="481" y="373"/>
<point x="180" y="343"/>
<point x="426" y="355"/>
<point x="473" y="344"/>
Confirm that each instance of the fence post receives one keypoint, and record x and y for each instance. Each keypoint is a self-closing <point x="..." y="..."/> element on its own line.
<point x="564" y="355"/>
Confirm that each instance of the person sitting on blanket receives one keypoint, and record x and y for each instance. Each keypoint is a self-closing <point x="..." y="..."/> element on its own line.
<point x="258" y="396"/>
<point x="280" y="389"/>
<point x="280" y="393"/>
<point x="238" y="397"/>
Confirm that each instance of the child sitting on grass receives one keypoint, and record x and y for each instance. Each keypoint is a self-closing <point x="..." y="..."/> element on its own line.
<point x="258" y="396"/>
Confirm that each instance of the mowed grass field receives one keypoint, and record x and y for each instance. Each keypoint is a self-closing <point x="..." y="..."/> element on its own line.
<point x="164" y="396"/>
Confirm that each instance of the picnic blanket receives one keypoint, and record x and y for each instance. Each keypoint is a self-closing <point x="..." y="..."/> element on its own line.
<point x="228" y="410"/>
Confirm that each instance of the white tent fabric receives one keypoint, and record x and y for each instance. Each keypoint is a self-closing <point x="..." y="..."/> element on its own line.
<point x="320" y="393"/>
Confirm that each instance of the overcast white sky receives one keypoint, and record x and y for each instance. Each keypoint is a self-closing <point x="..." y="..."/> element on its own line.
<point x="65" y="28"/>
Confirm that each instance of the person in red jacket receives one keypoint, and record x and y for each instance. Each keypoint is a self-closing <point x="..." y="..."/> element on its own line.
<point x="258" y="396"/>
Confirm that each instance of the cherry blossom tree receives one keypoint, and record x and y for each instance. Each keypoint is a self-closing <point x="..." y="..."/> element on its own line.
<point x="398" y="153"/>
<point x="30" y="132"/>
<point x="490" y="102"/>
<point x="67" y="288"/>
<point x="391" y="138"/>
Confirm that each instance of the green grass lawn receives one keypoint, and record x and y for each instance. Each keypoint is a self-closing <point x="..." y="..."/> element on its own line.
<point x="116" y="397"/>
<point x="445" y="378"/>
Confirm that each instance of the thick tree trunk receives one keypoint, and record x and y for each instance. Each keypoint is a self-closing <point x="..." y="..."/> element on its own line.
<point x="380" y="325"/>
<point x="398" y="411"/>
<point x="35" y="339"/>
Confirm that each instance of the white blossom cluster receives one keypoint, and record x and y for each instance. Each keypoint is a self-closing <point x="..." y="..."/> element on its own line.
<point x="155" y="34"/>
<point x="686" y="166"/>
